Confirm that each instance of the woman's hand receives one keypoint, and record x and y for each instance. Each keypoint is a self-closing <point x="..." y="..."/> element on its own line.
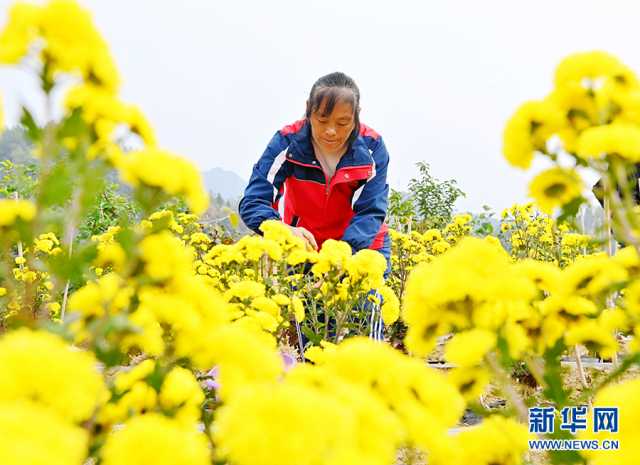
<point x="305" y="235"/>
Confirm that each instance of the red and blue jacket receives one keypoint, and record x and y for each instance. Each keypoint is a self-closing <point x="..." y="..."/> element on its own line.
<point x="289" y="184"/>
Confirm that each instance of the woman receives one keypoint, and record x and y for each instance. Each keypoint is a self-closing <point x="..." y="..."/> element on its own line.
<point x="325" y="175"/>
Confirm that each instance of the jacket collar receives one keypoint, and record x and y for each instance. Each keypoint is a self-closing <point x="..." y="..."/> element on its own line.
<point x="301" y="150"/>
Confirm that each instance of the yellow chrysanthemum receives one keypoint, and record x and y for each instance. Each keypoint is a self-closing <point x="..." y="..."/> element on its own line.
<point x="298" y="308"/>
<point x="623" y="395"/>
<point x="390" y="305"/>
<point x="290" y="425"/>
<point x="13" y="210"/>
<point x="317" y="354"/>
<point x="104" y="112"/>
<point x="425" y="401"/>
<point x="38" y="365"/>
<point x="377" y="431"/>
<point x="108" y="293"/>
<point x="593" y="336"/>
<point x="592" y="275"/>
<point x="163" y="170"/>
<point x="366" y="265"/>
<point x="333" y="256"/>
<point x="468" y="348"/>
<point x="495" y="440"/>
<point x="472" y="282"/>
<point x="528" y="130"/>
<point x="555" y="187"/>
<point x="243" y="355"/>
<point x="19" y="32"/>
<point x="471" y="382"/>
<point x="181" y="390"/>
<point x="34" y="435"/>
<point x="165" y="256"/>
<point x="632" y="298"/>
<point x="156" y="439"/>
<point x="586" y="68"/>
<point x="619" y="140"/>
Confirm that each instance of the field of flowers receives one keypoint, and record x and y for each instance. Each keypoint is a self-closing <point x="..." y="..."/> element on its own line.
<point x="155" y="342"/>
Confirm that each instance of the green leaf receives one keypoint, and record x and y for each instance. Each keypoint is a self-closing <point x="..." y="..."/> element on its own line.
<point x="56" y="187"/>
<point x="72" y="126"/>
<point x="503" y="351"/>
<point x="313" y="337"/>
<point x="34" y="132"/>
<point x="127" y="240"/>
<point x="552" y="375"/>
<point x="570" y="210"/>
<point x="74" y="267"/>
<point x="119" y="324"/>
<point x="156" y="378"/>
<point x="109" y="355"/>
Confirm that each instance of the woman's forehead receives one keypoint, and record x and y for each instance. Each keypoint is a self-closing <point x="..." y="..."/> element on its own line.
<point x="342" y="107"/>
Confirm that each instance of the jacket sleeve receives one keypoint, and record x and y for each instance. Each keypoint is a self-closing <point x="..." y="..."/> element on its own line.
<point x="370" y="204"/>
<point x="261" y="194"/>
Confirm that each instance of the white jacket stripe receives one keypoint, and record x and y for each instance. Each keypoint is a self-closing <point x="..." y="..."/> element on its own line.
<point x="358" y="191"/>
<point x="276" y="165"/>
<point x="273" y="170"/>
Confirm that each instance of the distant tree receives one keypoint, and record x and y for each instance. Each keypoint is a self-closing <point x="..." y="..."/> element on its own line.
<point x="17" y="180"/>
<point x="483" y="223"/>
<point x="433" y="200"/>
<point x="400" y="210"/>
<point x="110" y="208"/>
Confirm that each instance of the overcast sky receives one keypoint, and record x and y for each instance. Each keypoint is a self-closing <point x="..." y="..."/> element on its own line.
<point x="438" y="79"/>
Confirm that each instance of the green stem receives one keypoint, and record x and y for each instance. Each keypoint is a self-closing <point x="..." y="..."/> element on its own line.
<point x="69" y="234"/>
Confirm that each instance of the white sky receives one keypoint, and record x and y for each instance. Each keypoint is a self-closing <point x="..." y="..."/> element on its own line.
<point x="438" y="79"/>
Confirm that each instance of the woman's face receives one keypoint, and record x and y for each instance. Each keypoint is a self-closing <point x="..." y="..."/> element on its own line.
<point x="331" y="132"/>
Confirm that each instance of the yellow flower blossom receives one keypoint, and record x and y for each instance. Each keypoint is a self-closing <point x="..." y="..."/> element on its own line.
<point x="613" y="139"/>
<point x="298" y="308"/>
<point x="19" y="32"/>
<point x="38" y="365"/>
<point x="163" y="170"/>
<point x="333" y="256"/>
<point x="53" y="442"/>
<point x="165" y="256"/>
<point x="390" y="309"/>
<point x="625" y="396"/>
<point x="471" y="382"/>
<point x="528" y="130"/>
<point x="468" y="348"/>
<point x="13" y="210"/>
<point x="180" y="390"/>
<point x="593" y="336"/>
<point x="555" y="187"/>
<point x="586" y="68"/>
<point x="156" y="439"/>
<point x="126" y="379"/>
<point x="495" y="440"/>
<point x="323" y="427"/>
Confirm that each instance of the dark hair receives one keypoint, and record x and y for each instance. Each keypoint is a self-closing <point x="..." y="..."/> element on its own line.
<point x="335" y="87"/>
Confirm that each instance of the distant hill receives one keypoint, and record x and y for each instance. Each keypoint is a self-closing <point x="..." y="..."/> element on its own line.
<point x="226" y="183"/>
<point x="14" y="146"/>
